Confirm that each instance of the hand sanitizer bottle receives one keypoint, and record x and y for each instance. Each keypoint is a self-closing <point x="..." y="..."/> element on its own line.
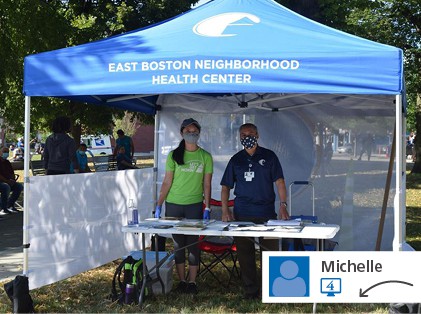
<point x="133" y="213"/>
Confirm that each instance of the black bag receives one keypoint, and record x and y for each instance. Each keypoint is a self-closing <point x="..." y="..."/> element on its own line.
<point x="130" y="271"/>
<point x="404" y="308"/>
<point x="18" y="292"/>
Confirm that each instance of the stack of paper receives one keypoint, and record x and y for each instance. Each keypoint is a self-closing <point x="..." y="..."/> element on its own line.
<point x="190" y="225"/>
<point x="275" y="222"/>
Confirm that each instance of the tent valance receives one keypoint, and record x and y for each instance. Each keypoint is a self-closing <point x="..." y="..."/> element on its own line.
<point x="222" y="47"/>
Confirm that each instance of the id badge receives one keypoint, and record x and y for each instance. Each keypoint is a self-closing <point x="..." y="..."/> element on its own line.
<point x="249" y="175"/>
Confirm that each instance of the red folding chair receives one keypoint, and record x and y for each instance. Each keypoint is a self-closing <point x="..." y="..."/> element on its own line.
<point x="221" y="249"/>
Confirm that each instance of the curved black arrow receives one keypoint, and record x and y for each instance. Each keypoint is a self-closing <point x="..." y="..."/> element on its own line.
<point x="363" y="293"/>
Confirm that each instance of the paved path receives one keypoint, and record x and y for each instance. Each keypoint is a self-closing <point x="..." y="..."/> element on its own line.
<point x="11" y="237"/>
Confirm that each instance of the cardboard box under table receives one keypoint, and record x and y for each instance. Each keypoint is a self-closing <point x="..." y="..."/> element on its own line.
<point x="165" y="270"/>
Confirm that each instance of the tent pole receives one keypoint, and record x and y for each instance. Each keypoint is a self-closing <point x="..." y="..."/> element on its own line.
<point x="27" y="157"/>
<point x="386" y="192"/>
<point x="155" y="159"/>
<point x="399" y="205"/>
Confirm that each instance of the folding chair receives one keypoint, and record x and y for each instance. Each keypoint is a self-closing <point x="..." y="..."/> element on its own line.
<point x="220" y="249"/>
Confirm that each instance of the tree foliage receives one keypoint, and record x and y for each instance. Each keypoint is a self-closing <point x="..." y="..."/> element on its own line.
<point x="33" y="26"/>
<point x="392" y="22"/>
<point x="128" y="123"/>
<point x="398" y="23"/>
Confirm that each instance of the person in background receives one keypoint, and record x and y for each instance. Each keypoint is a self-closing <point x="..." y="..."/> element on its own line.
<point x="17" y="154"/>
<point x="253" y="172"/>
<point x="11" y="149"/>
<point x="367" y="145"/>
<point x="82" y="159"/>
<point x="8" y="184"/>
<point x="60" y="149"/>
<point x="124" y="162"/>
<point x="186" y="185"/>
<point x="37" y="146"/>
<point x="20" y="144"/>
<point x="126" y="142"/>
<point x="410" y="144"/>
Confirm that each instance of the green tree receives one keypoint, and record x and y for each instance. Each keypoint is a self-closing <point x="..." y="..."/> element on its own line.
<point x="70" y="22"/>
<point x="392" y="22"/>
<point x="397" y="23"/>
<point x="128" y="123"/>
<point x="23" y="30"/>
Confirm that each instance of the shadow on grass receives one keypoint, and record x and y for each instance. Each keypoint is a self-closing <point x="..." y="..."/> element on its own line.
<point x="89" y="293"/>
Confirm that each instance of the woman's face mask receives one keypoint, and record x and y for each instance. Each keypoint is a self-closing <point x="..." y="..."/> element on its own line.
<point x="249" y="141"/>
<point x="5" y="155"/>
<point x="191" y="138"/>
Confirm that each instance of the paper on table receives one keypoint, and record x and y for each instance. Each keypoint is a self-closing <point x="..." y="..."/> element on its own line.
<point x="275" y="222"/>
<point x="190" y="224"/>
<point x="185" y="225"/>
<point x="241" y="223"/>
<point x="161" y="221"/>
<point x="254" y="228"/>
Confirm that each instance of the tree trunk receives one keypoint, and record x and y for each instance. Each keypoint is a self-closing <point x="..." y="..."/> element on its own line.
<point x="417" y="144"/>
<point x="76" y="127"/>
<point x="76" y="134"/>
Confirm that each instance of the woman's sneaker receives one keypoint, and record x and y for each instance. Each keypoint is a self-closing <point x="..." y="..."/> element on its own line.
<point x="192" y="288"/>
<point x="181" y="288"/>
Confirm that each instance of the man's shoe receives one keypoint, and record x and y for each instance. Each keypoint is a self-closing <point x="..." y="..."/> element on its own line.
<point x="4" y="212"/>
<point x="13" y="210"/>
<point x="181" y="287"/>
<point x="192" y="288"/>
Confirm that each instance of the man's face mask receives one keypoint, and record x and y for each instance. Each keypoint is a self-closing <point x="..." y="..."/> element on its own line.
<point x="5" y="155"/>
<point x="191" y="138"/>
<point x="249" y="141"/>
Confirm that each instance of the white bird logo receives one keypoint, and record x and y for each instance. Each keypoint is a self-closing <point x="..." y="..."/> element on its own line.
<point x="215" y="26"/>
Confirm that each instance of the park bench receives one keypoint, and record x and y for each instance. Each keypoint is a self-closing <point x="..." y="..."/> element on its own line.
<point x="104" y="163"/>
<point x="37" y="167"/>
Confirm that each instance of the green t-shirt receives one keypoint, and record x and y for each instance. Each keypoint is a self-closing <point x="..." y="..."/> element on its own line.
<point x="187" y="185"/>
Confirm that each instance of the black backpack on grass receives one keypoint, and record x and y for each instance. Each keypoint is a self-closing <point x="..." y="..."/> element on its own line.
<point x="130" y="271"/>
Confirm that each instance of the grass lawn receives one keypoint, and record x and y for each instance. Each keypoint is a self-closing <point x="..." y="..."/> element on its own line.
<point x="89" y="292"/>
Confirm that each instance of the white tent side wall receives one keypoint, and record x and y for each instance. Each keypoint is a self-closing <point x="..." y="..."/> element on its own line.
<point x="72" y="223"/>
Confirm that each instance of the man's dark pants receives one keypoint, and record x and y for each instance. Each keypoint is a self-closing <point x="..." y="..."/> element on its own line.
<point x="5" y="189"/>
<point x="246" y="254"/>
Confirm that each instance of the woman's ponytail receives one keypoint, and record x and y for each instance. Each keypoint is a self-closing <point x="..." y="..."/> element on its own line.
<point x="178" y="153"/>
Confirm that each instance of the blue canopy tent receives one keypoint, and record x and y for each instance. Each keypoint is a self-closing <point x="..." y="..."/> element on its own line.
<point x="220" y="47"/>
<point x="230" y="56"/>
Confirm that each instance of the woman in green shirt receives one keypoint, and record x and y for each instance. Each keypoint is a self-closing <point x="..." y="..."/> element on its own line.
<point x="186" y="185"/>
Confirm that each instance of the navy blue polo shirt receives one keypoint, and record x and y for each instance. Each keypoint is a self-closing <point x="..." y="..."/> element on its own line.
<point x="252" y="178"/>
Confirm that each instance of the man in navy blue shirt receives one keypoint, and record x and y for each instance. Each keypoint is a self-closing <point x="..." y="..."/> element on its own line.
<point x="252" y="172"/>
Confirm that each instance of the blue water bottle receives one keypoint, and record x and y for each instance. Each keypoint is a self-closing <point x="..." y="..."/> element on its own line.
<point x="135" y="217"/>
<point x="133" y="213"/>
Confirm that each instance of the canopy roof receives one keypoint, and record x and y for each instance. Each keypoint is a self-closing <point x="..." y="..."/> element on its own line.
<point x="224" y="46"/>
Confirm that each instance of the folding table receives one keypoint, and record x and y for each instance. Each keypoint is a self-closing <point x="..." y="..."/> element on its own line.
<point x="317" y="231"/>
